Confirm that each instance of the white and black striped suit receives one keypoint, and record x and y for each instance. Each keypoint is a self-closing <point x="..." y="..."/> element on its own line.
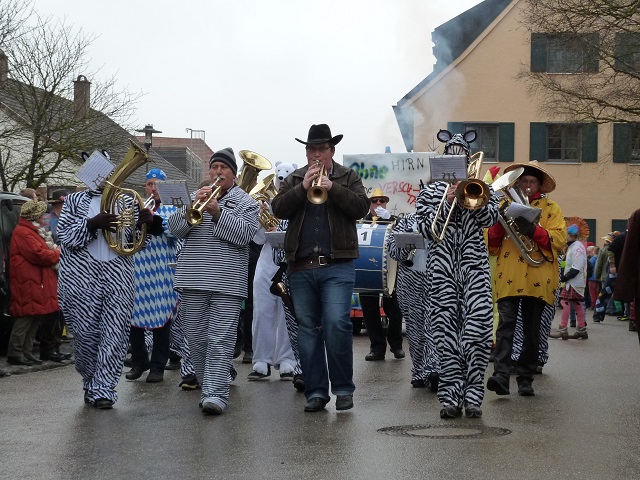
<point x="212" y="277"/>
<point x="96" y="297"/>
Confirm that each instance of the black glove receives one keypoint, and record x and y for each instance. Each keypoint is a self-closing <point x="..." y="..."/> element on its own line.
<point x="145" y="216"/>
<point x="102" y="221"/>
<point x="569" y="275"/>
<point x="525" y="226"/>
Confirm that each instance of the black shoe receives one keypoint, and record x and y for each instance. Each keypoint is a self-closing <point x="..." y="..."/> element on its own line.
<point x="344" y="402"/>
<point x="525" y="390"/>
<point x="190" y="382"/>
<point x="472" y="411"/>
<point x="315" y="404"/>
<point x="398" y="353"/>
<point x="434" y="381"/>
<point x="155" y="377"/>
<point x="136" y="372"/>
<point x="286" y="377"/>
<point x="498" y="384"/>
<point x="103" y="403"/>
<point x="248" y="357"/>
<point x="33" y="359"/>
<point x="298" y="382"/>
<point x="128" y="363"/>
<point x="53" y="356"/>
<point x="451" y="411"/>
<point x="253" y="376"/>
<point x="418" y="383"/>
<point x="633" y="326"/>
<point x="173" y="364"/>
<point x="374" y="357"/>
<point x="539" y="368"/>
<point x="19" y="361"/>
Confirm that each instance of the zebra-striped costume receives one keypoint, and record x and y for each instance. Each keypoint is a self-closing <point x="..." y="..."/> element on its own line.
<point x="95" y="289"/>
<point x="411" y="287"/>
<point x="459" y="294"/>
<point x="212" y="278"/>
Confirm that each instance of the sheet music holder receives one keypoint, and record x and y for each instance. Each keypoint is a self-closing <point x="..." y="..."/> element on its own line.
<point x="532" y="214"/>
<point x="448" y="168"/>
<point x="409" y="240"/>
<point x="174" y="192"/>
<point x="95" y="170"/>
<point x="275" y="239"/>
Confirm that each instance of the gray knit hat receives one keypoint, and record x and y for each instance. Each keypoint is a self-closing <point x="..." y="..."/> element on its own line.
<point x="227" y="157"/>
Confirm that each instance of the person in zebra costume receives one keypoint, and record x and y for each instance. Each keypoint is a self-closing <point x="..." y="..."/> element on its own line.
<point x="155" y="297"/>
<point x="96" y="288"/>
<point x="525" y="287"/>
<point x="212" y="276"/>
<point x="459" y="288"/>
<point x="411" y="288"/>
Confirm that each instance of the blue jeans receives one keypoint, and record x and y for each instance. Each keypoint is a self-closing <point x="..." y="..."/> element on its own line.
<point x="322" y="302"/>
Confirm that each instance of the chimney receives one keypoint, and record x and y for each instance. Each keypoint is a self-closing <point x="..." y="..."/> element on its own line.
<point x="81" y="96"/>
<point x="4" y="68"/>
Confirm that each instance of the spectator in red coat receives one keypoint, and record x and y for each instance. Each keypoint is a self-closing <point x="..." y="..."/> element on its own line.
<point x="34" y="286"/>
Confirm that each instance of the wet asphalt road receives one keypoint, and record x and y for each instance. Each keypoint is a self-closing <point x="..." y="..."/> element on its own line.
<point x="583" y="423"/>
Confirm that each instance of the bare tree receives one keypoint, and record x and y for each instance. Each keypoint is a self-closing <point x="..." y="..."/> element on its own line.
<point x="603" y="39"/>
<point x="46" y="132"/>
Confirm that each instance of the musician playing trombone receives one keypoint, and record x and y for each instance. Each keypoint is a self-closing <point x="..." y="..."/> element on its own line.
<point x="522" y="284"/>
<point x="459" y="303"/>
<point x="212" y="276"/>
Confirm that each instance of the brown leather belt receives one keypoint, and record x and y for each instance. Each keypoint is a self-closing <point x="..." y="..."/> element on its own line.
<point x="313" y="262"/>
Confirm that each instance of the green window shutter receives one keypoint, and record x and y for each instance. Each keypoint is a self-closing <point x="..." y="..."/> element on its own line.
<point x="538" y="52"/>
<point x="538" y="141"/>
<point x="589" y="142"/>
<point x="592" y="229"/>
<point x="592" y="60"/>
<point x="621" y="142"/>
<point x="506" y="142"/>
<point x="619" y="225"/>
<point x="455" y="127"/>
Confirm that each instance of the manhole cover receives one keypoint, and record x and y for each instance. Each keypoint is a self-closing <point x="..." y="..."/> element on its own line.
<point x="445" y="430"/>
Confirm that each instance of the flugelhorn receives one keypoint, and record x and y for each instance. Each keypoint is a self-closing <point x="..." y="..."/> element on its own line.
<point x="126" y="239"/>
<point x="194" y="214"/>
<point x="317" y="194"/>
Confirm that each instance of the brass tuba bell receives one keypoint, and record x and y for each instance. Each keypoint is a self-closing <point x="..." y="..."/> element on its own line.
<point x="254" y="163"/>
<point x="264" y="191"/>
<point x="120" y="201"/>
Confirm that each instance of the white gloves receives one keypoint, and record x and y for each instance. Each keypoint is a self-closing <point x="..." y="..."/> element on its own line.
<point x="383" y="213"/>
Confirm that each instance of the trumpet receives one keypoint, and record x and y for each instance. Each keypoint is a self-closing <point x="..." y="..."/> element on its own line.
<point x="471" y="194"/>
<point x="194" y="214"/>
<point x="317" y="194"/>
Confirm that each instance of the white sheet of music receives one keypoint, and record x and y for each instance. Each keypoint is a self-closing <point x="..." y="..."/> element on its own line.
<point x="515" y="209"/>
<point x="448" y="168"/>
<point x="95" y="170"/>
<point x="174" y="192"/>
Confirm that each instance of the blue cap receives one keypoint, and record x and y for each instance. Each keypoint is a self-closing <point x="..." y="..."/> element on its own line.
<point x="156" y="173"/>
<point x="572" y="229"/>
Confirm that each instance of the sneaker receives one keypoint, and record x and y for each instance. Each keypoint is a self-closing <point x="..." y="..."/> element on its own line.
<point x="623" y="318"/>
<point x="286" y="377"/>
<point x="190" y="382"/>
<point x="525" y="390"/>
<point x="253" y="376"/>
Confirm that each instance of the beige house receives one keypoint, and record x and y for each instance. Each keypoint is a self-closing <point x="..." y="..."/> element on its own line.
<point x="474" y="86"/>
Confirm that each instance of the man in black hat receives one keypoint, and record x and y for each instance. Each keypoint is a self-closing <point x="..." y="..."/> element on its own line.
<point x="51" y="218"/>
<point x="320" y="245"/>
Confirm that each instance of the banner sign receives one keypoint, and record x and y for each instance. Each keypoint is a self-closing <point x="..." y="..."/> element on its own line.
<point x="397" y="174"/>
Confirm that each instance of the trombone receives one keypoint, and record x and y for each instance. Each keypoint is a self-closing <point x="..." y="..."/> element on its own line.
<point x="471" y="194"/>
<point x="317" y="194"/>
<point x="194" y="214"/>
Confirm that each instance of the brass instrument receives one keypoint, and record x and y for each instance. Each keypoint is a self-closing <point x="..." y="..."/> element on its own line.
<point x="263" y="192"/>
<point x="150" y="202"/>
<point x="512" y="194"/>
<point x="195" y="213"/>
<point x="471" y="194"/>
<point x="121" y="202"/>
<point x="317" y="194"/>
<point x="253" y="164"/>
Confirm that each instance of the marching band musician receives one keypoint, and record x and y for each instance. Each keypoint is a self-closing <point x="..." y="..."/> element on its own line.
<point x="411" y="285"/>
<point x="459" y="286"/>
<point x="212" y="277"/>
<point x="155" y="296"/>
<point x="96" y="289"/>
<point x="320" y="245"/>
<point x="370" y="303"/>
<point x="519" y="285"/>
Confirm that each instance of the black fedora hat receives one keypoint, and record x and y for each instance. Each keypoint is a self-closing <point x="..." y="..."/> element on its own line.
<point x="320" y="133"/>
<point x="58" y="196"/>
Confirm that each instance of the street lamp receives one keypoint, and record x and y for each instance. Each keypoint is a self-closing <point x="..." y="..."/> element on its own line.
<point x="148" y="131"/>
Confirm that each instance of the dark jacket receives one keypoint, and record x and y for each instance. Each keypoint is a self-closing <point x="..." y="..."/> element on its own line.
<point x="346" y="202"/>
<point x="628" y="281"/>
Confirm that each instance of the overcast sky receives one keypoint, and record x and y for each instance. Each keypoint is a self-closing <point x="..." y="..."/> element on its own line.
<point x="254" y="74"/>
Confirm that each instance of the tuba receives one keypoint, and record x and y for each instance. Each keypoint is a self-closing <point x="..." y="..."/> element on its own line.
<point x="471" y="194"/>
<point x="127" y="239"/>
<point x="512" y="194"/>
<point x="253" y="164"/>
<point x="264" y="191"/>
<point x="316" y="193"/>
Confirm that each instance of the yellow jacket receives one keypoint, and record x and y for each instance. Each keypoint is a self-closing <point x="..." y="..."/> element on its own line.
<point x="514" y="277"/>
